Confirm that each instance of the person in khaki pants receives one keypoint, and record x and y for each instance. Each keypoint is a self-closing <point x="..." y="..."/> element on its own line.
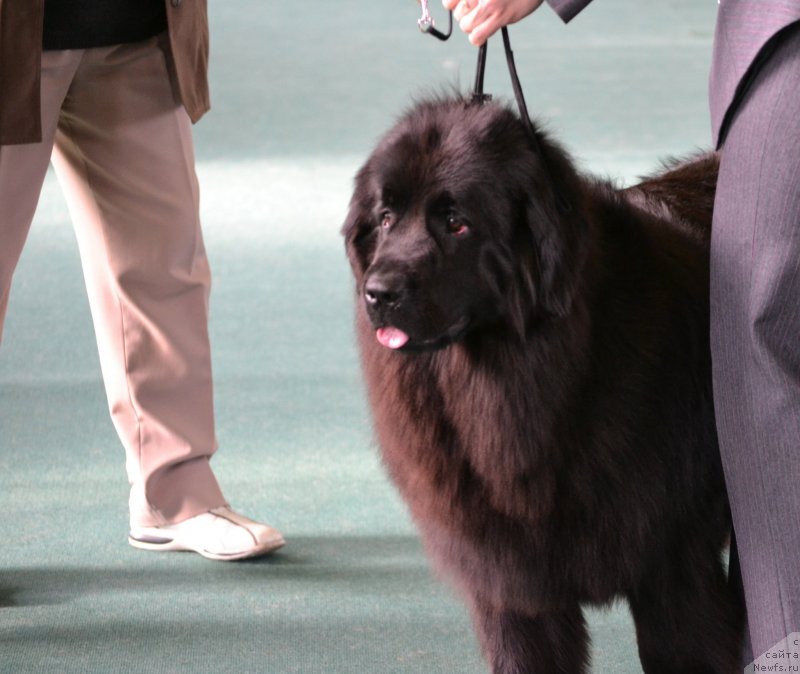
<point x="108" y="91"/>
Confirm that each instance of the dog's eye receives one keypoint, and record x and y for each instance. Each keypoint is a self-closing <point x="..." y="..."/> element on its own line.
<point x="456" y="226"/>
<point x="386" y="219"/>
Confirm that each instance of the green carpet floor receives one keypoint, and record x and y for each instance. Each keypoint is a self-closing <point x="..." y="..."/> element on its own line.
<point x="301" y="91"/>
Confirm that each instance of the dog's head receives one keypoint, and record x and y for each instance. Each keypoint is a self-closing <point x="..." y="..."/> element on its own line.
<point x="454" y="227"/>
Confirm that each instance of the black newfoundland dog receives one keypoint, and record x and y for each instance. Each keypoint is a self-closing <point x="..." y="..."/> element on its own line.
<point x="535" y="349"/>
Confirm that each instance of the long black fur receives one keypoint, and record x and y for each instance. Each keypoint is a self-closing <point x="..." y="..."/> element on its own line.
<point x="550" y="419"/>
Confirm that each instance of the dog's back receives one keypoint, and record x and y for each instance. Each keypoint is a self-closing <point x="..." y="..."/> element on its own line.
<point x="684" y="191"/>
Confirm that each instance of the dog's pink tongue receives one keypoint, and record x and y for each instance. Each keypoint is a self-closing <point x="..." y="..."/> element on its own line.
<point x="391" y="338"/>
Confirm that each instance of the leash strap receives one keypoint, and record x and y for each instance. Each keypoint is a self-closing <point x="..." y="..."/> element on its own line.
<point x="477" y="92"/>
<point x="479" y="96"/>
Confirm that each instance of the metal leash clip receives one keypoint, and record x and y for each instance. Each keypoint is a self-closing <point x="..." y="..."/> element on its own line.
<point x="428" y="25"/>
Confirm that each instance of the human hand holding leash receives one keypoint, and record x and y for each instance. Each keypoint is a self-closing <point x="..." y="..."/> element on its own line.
<point x="480" y="19"/>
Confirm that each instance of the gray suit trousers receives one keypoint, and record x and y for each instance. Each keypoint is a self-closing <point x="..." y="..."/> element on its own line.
<point x="755" y="340"/>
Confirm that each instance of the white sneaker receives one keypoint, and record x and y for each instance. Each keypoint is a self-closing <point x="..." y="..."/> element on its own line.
<point x="219" y="534"/>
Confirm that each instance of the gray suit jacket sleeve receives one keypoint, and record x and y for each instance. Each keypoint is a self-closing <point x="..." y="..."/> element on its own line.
<point x="744" y="28"/>
<point x="568" y="9"/>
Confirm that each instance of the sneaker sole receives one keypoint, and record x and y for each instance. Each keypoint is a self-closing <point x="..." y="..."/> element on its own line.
<point x="154" y="544"/>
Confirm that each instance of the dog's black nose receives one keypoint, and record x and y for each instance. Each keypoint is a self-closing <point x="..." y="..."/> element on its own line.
<point x="381" y="290"/>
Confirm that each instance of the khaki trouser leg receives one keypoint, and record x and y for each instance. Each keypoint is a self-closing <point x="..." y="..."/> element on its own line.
<point x="123" y="155"/>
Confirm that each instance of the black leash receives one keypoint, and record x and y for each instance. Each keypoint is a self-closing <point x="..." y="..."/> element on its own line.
<point x="477" y="91"/>
<point x="478" y="95"/>
<point x="426" y="25"/>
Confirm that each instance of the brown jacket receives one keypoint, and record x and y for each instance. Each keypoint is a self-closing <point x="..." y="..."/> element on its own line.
<point x="21" y="59"/>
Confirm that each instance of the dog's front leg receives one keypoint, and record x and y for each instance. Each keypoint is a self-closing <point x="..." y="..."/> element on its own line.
<point x="541" y="643"/>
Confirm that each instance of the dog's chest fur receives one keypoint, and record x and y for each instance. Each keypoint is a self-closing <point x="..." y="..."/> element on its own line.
<point x="509" y="508"/>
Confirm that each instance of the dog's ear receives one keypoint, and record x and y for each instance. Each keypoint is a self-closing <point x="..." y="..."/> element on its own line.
<point x="554" y="216"/>
<point x="359" y="230"/>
